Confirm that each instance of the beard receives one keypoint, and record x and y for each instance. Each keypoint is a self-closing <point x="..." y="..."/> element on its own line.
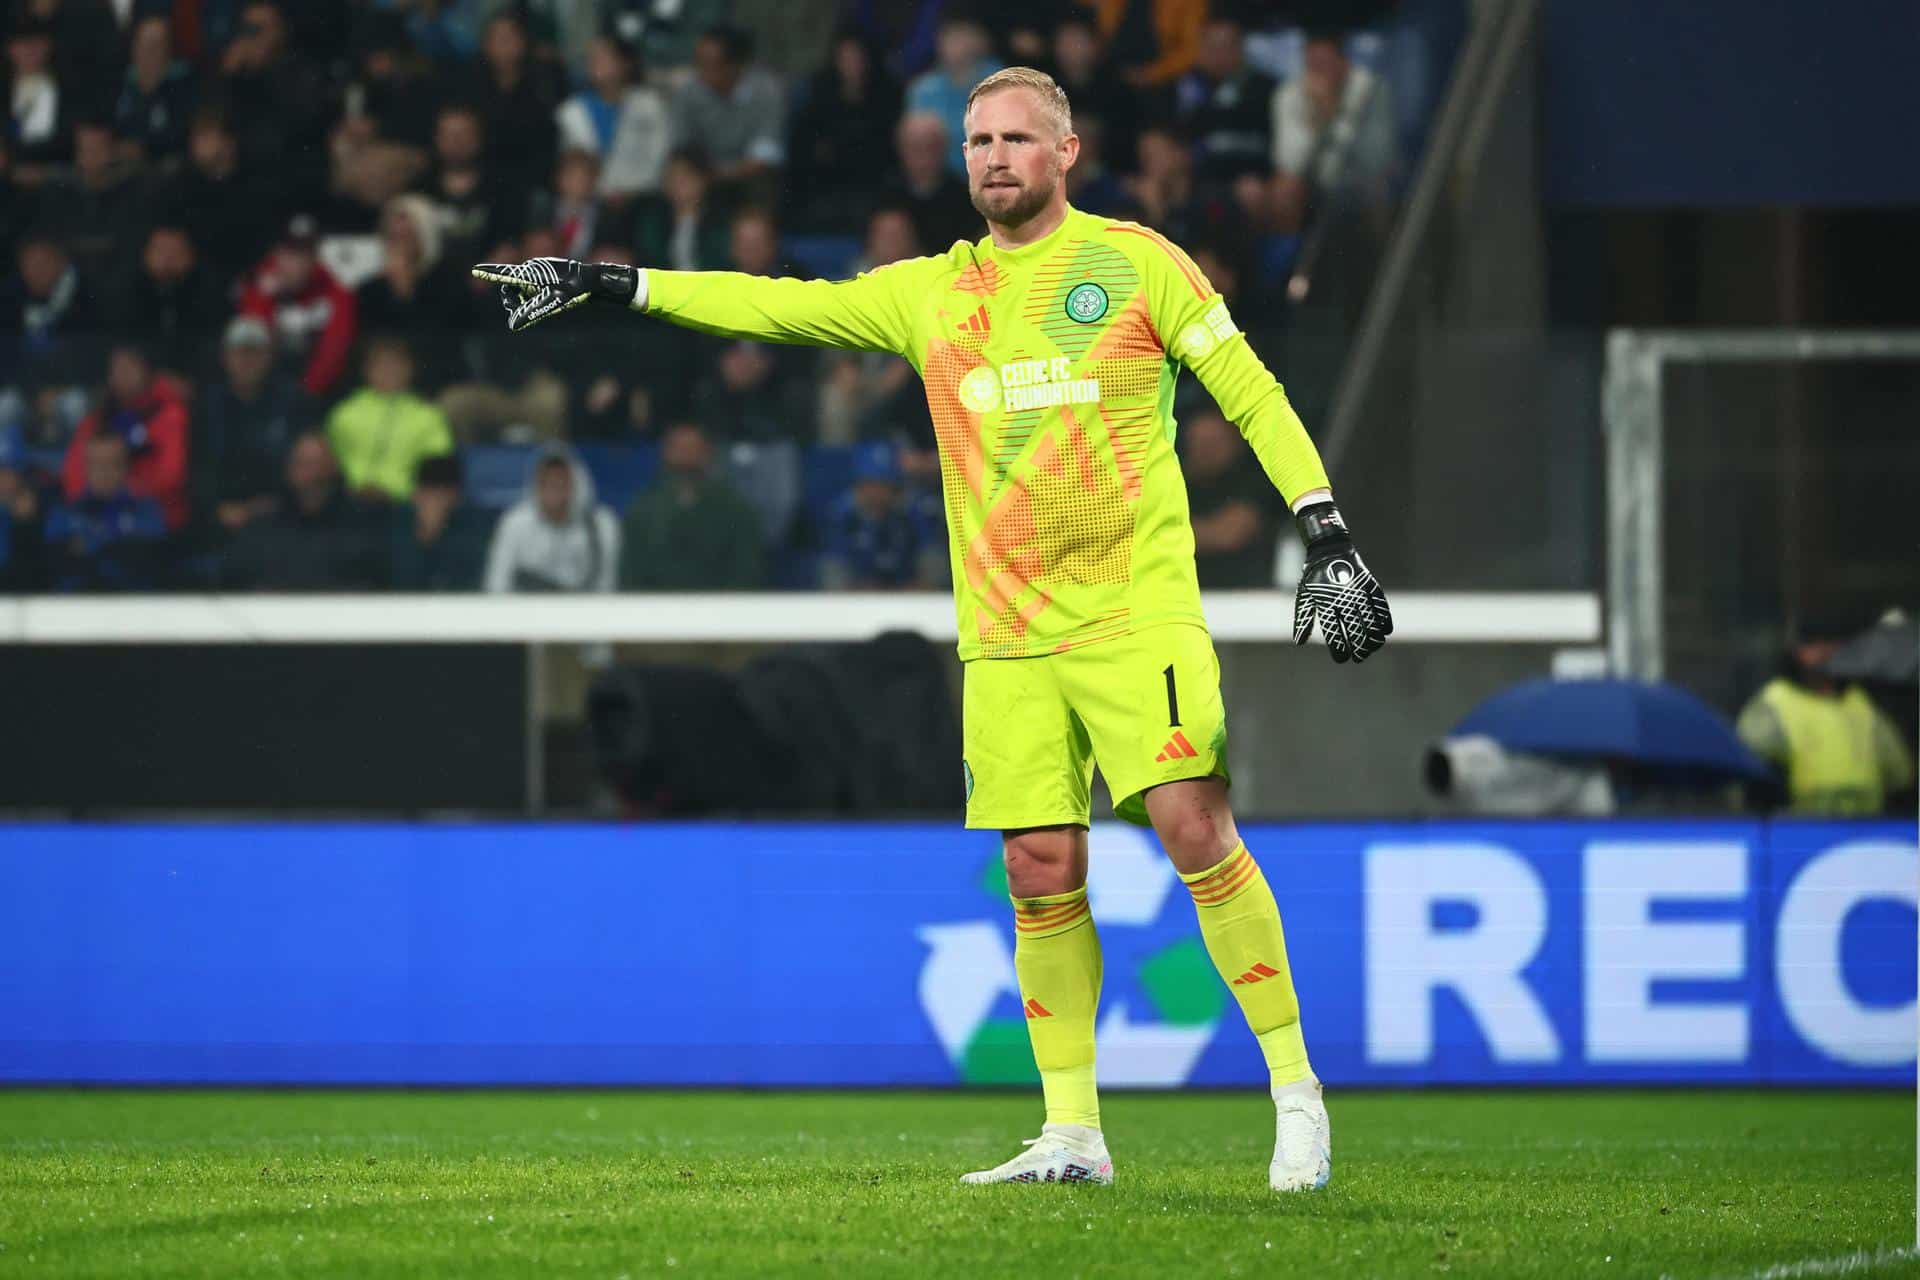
<point x="1013" y="206"/>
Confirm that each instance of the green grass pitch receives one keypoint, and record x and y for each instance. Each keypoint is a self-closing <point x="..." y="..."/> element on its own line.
<point x="607" y="1184"/>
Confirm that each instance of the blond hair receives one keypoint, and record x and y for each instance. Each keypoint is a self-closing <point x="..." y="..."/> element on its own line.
<point x="1053" y="99"/>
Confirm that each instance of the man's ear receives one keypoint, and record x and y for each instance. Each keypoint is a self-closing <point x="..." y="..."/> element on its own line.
<point x="1069" y="151"/>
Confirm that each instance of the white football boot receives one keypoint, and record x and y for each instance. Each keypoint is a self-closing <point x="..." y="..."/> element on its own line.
<point x="1062" y="1153"/>
<point x="1302" y="1139"/>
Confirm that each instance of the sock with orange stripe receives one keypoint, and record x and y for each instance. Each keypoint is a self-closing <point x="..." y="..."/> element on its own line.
<point x="1056" y="953"/>
<point x="1240" y="923"/>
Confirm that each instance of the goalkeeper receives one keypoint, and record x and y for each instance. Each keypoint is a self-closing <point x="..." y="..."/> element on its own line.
<point x="1049" y="351"/>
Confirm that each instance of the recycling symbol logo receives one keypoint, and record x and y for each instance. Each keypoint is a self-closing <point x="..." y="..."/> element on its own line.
<point x="1161" y="1001"/>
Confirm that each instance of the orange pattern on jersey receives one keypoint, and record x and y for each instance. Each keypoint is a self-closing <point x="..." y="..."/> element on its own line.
<point x="1128" y="361"/>
<point x="955" y="427"/>
<point x="1186" y="265"/>
<point x="980" y="277"/>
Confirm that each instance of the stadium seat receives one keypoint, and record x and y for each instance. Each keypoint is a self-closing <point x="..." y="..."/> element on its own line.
<point x="496" y="474"/>
<point x="830" y="257"/>
<point x="619" y="471"/>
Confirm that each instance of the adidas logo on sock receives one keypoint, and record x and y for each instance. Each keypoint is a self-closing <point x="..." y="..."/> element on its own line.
<point x="1259" y="973"/>
<point x="1037" y="1010"/>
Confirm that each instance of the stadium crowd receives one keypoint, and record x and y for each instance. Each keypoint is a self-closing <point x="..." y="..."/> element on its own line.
<point x="241" y="349"/>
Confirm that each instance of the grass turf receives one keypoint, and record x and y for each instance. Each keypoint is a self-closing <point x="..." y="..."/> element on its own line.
<point x="470" y="1184"/>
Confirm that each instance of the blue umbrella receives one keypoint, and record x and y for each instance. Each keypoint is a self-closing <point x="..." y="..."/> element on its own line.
<point x="1651" y="724"/>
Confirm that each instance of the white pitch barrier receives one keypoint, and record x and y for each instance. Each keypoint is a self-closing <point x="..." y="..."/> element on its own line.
<point x="1420" y="617"/>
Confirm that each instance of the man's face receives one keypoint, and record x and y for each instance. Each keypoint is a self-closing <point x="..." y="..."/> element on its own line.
<point x="606" y="69"/>
<point x="684" y="184"/>
<point x="922" y="146"/>
<point x="128" y="376"/>
<point x="744" y="366"/>
<point x="294" y="264"/>
<point x="92" y="152"/>
<point x="42" y="263"/>
<point x="152" y="46"/>
<point x="211" y="148"/>
<point x="891" y="237"/>
<point x="1221" y="50"/>
<point x="310" y="470"/>
<point x="435" y="501"/>
<point x="169" y="255"/>
<point x="106" y="466"/>
<point x="1076" y="49"/>
<point x="876" y="496"/>
<point x="711" y="64"/>
<point x="1161" y="155"/>
<point x="389" y="370"/>
<point x="1015" y="160"/>
<point x="456" y="138"/>
<point x="247" y="364"/>
<point x="1212" y="445"/>
<point x="505" y="43"/>
<point x="1325" y="69"/>
<point x="959" y="47"/>
<point x="686" y="453"/>
<point x="756" y="248"/>
<point x="555" y="492"/>
<point x="29" y="55"/>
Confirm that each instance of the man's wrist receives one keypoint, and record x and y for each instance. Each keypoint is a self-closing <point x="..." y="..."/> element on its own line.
<point x="613" y="282"/>
<point x="1320" y="524"/>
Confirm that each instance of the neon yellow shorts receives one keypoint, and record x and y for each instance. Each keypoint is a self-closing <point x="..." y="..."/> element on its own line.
<point x="1146" y="706"/>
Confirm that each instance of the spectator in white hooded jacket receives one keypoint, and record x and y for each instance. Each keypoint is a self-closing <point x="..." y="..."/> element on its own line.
<point x="556" y="538"/>
<point x="619" y="120"/>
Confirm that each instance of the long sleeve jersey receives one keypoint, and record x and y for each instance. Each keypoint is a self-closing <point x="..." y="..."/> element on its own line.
<point x="1049" y="371"/>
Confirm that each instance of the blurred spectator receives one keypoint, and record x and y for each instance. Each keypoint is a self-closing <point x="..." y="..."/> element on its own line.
<point x="618" y="119"/>
<point x="753" y="245"/>
<point x="104" y="538"/>
<point x="97" y="207"/>
<point x="576" y="203"/>
<point x="516" y="96"/>
<point x="1153" y="42"/>
<point x="1168" y="198"/>
<point x="50" y="316"/>
<point x="276" y="99"/>
<point x="155" y="104"/>
<point x="1230" y="501"/>
<point x="870" y="394"/>
<point x="476" y="210"/>
<point x="751" y="396"/>
<point x="734" y="113"/>
<point x="845" y="118"/>
<point x="381" y="432"/>
<point x="38" y="124"/>
<point x="556" y="538"/>
<point x="234" y="209"/>
<point x="1092" y="185"/>
<point x="245" y="423"/>
<point x="1093" y="90"/>
<point x="691" y="530"/>
<point x="1022" y="30"/>
<point x="173" y="301"/>
<point x="311" y="314"/>
<point x="148" y="411"/>
<point x="315" y="540"/>
<point x="22" y="544"/>
<point x="1225" y="106"/>
<point x="415" y="292"/>
<point x="926" y="187"/>
<point x="379" y="145"/>
<point x="1838" y="754"/>
<point x="1332" y="130"/>
<point x="681" y="230"/>
<point x="962" y="58"/>
<point x="438" y="541"/>
<point x="874" y="540"/>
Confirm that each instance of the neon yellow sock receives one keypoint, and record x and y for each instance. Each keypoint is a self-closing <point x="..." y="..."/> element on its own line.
<point x="1056" y="953"/>
<point x="1240" y="923"/>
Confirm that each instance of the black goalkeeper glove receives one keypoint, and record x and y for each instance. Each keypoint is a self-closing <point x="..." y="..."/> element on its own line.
<point x="1337" y="589"/>
<point x="539" y="288"/>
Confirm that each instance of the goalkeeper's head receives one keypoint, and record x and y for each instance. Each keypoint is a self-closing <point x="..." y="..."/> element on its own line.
<point x="1019" y="145"/>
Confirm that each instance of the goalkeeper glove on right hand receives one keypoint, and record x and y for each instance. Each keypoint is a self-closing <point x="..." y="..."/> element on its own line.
<point x="1337" y="589"/>
<point x="539" y="288"/>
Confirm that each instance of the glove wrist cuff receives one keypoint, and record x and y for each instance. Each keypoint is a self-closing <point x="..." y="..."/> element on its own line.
<point x="613" y="282"/>
<point x="1321" y="525"/>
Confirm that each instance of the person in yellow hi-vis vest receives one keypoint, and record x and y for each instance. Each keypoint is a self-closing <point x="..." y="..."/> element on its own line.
<point x="1838" y="753"/>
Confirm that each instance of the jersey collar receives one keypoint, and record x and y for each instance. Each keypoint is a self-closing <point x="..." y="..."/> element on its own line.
<point x="1039" y="248"/>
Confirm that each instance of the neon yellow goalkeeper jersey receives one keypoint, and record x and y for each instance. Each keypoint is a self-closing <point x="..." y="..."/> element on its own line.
<point x="1049" y="370"/>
